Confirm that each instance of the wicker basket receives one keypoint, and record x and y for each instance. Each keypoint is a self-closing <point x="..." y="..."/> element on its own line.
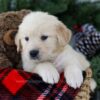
<point x="84" y="92"/>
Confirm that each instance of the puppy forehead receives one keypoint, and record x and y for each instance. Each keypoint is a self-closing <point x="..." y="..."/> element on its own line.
<point x="39" y="18"/>
<point x="38" y="23"/>
<point x="44" y="30"/>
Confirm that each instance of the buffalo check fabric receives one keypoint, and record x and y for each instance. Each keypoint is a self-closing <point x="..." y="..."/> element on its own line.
<point x="20" y="85"/>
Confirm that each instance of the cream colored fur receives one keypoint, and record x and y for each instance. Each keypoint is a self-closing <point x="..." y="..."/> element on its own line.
<point x="55" y="54"/>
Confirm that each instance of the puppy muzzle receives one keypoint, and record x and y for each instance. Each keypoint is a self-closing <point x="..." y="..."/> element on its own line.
<point x="34" y="54"/>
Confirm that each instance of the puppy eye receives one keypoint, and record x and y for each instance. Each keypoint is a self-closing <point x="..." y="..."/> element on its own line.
<point x="26" y="38"/>
<point x="44" y="37"/>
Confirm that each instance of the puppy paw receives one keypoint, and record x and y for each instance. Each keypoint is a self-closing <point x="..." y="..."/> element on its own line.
<point x="73" y="77"/>
<point x="47" y="72"/>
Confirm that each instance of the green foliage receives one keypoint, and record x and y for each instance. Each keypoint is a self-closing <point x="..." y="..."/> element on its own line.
<point x="3" y="5"/>
<point x="95" y="64"/>
<point x="68" y="11"/>
<point x="97" y="20"/>
<point x="88" y="12"/>
<point x="51" y="6"/>
<point x="81" y="14"/>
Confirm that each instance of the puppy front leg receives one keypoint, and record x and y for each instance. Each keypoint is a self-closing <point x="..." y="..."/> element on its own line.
<point x="48" y="72"/>
<point x="73" y="76"/>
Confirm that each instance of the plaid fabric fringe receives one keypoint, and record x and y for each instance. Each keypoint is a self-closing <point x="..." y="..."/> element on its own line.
<point x="20" y="85"/>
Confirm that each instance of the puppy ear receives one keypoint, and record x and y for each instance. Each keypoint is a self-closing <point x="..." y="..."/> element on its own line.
<point x="9" y="37"/>
<point x="63" y="34"/>
<point x="18" y="43"/>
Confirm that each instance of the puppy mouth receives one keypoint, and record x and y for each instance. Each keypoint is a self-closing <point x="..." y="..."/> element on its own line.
<point x="35" y="58"/>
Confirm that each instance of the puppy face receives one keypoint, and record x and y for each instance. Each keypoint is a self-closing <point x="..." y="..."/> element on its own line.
<point x="41" y="36"/>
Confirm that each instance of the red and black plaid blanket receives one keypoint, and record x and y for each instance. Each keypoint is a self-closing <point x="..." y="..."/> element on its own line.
<point x="20" y="85"/>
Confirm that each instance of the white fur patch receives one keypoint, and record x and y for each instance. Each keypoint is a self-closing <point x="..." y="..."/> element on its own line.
<point x="48" y="72"/>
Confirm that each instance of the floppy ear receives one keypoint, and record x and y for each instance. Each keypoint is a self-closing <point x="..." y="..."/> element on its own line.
<point x="63" y="34"/>
<point x="18" y="42"/>
<point x="9" y="37"/>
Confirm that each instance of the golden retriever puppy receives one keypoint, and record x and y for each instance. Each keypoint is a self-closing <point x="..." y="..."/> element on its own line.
<point x="43" y="42"/>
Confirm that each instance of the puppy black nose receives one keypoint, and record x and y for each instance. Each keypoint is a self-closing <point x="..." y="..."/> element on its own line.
<point x="34" y="53"/>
